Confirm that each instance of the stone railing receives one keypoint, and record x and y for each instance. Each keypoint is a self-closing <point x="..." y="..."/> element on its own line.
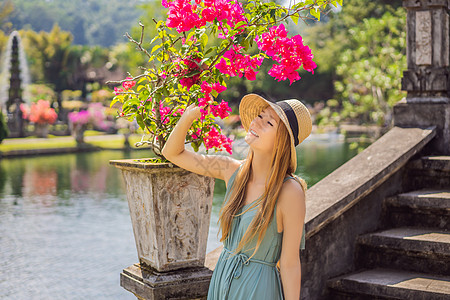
<point x="347" y="203"/>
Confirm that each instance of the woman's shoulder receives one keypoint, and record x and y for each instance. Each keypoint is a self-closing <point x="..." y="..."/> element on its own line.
<point x="292" y="192"/>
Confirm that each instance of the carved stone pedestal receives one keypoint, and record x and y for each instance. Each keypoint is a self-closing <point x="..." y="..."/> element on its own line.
<point x="180" y="284"/>
<point x="170" y="211"/>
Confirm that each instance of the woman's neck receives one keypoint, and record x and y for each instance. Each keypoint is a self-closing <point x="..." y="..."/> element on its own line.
<point x="260" y="169"/>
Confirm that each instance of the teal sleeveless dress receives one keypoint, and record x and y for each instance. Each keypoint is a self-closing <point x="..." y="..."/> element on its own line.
<point x="236" y="278"/>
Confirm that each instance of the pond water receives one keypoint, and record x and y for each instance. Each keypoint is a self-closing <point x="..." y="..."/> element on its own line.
<point x="65" y="229"/>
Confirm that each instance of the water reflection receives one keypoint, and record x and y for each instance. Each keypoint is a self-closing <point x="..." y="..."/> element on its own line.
<point x="65" y="229"/>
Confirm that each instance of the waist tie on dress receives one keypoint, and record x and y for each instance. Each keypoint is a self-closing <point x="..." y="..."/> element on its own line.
<point x="239" y="260"/>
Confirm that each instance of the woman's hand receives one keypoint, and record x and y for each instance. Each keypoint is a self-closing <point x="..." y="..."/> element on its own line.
<point x="193" y="111"/>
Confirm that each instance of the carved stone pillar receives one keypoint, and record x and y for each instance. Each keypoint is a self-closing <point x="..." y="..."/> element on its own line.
<point x="427" y="79"/>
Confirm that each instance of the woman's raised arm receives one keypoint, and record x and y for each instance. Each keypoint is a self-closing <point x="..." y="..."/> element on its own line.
<point x="217" y="166"/>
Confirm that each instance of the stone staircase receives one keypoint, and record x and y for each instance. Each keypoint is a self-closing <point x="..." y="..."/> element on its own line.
<point x="409" y="257"/>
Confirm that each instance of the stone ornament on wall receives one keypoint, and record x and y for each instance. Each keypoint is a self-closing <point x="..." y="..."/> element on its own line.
<point x="423" y="38"/>
<point x="446" y="45"/>
<point x="428" y="49"/>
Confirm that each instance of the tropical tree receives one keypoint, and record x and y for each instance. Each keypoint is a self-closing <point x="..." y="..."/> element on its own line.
<point x="3" y="128"/>
<point x="329" y="37"/>
<point x="52" y="59"/>
<point x="369" y="72"/>
<point x="6" y="8"/>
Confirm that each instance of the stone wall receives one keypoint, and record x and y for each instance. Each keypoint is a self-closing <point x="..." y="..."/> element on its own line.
<point x="348" y="203"/>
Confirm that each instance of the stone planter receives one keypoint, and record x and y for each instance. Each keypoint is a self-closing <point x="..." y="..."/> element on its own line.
<point x="41" y="130"/>
<point x="78" y="133"/>
<point x="170" y="211"/>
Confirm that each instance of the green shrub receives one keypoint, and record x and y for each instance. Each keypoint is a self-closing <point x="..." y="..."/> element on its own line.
<point x="3" y="128"/>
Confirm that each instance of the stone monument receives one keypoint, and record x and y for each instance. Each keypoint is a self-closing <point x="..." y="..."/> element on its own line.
<point x="427" y="79"/>
<point x="15" y="77"/>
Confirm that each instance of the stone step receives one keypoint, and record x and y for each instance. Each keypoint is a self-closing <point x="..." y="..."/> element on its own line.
<point x="429" y="208"/>
<point x="429" y="171"/>
<point x="441" y="163"/>
<point x="389" y="284"/>
<point x="406" y="248"/>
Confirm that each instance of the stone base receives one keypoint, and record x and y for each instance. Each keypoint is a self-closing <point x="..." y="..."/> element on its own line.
<point x="425" y="112"/>
<point x="144" y="283"/>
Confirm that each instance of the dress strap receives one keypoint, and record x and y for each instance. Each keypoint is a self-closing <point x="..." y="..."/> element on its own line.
<point x="233" y="176"/>
<point x="288" y="177"/>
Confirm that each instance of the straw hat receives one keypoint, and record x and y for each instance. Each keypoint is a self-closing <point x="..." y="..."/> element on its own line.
<point x="293" y="114"/>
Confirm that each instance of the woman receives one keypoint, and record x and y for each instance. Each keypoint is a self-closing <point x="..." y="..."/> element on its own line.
<point x="257" y="232"/>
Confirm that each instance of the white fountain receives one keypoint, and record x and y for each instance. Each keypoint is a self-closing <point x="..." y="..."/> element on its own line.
<point x="5" y="73"/>
<point x="14" y="80"/>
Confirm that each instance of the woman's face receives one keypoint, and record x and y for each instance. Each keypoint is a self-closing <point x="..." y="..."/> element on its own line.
<point x="265" y="126"/>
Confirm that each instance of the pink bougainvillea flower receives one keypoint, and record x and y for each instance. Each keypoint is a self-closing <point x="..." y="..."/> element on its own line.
<point x="39" y="113"/>
<point x="223" y="67"/>
<point x="290" y="53"/>
<point x="191" y="66"/>
<point x="239" y="64"/>
<point x="205" y="87"/>
<point x="202" y="102"/>
<point x="182" y="15"/>
<point x="25" y="111"/>
<point x="214" y="139"/>
<point x="128" y="84"/>
<point x="209" y="14"/>
<point x="221" y="110"/>
<point x="79" y="118"/>
<point x="117" y="91"/>
<point x="165" y="112"/>
<point x="218" y="87"/>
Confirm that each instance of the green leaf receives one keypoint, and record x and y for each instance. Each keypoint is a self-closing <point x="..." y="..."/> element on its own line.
<point x="165" y="92"/>
<point x="195" y="146"/>
<point x="157" y="97"/>
<point x="206" y="59"/>
<point x="315" y="13"/>
<point x="115" y="100"/>
<point x="295" y="18"/>
<point x="204" y="40"/>
<point x="210" y="50"/>
<point x="144" y="95"/>
<point x="245" y="43"/>
<point x="140" y="121"/>
<point x="272" y="13"/>
<point x="148" y="105"/>
<point x="200" y="31"/>
<point x="240" y="24"/>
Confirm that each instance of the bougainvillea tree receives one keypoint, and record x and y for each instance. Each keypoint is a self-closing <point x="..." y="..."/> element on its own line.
<point x="185" y="69"/>
<point x="93" y="116"/>
<point x="41" y="114"/>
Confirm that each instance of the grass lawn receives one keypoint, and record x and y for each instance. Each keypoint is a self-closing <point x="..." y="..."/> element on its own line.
<point x="103" y="141"/>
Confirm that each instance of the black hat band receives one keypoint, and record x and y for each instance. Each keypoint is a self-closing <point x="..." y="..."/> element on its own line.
<point x="290" y="114"/>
